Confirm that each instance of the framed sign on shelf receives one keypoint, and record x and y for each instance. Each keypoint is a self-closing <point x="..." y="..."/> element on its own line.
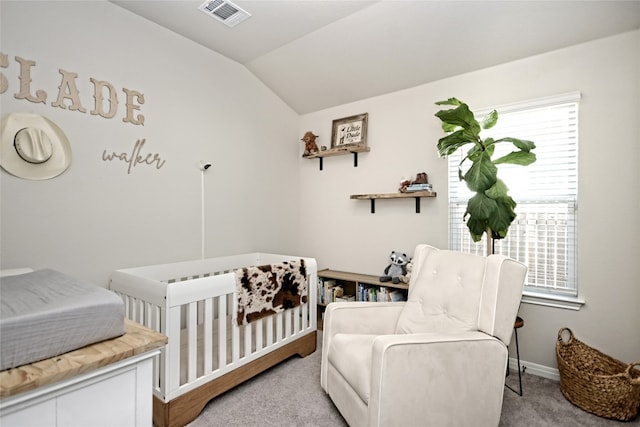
<point x="350" y="131"/>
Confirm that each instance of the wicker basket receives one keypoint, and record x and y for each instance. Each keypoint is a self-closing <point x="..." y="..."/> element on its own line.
<point x="596" y="382"/>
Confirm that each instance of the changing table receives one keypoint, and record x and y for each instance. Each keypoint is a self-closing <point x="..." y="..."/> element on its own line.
<point x="108" y="383"/>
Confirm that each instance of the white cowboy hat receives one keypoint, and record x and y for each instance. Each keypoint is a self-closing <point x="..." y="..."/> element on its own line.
<point x="33" y="147"/>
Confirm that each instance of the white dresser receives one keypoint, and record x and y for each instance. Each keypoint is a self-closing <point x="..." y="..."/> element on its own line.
<point x="105" y="384"/>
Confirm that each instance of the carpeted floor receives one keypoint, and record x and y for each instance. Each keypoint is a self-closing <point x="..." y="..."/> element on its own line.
<point x="289" y="394"/>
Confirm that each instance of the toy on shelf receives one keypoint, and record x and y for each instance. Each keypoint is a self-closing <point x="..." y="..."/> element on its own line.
<point x="421" y="183"/>
<point x="406" y="277"/>
<point x="397" y="268"/>
<point x="310" y="146"/>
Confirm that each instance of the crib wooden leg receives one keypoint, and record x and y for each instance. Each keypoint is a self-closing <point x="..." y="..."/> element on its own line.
<point x="186" y="408"/>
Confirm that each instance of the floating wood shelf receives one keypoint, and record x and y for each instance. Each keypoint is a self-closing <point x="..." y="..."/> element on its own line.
<point x="339" y="152"/>
<point x="373" y="197"/>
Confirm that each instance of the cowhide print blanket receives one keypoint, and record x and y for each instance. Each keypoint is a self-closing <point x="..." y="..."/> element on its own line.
<point x="269" y="289"/>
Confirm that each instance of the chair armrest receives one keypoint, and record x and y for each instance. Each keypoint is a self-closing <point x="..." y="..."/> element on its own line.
<point x="356" y="318"/>
<point x="378" y="318"/>
<point x="425" y="376"/>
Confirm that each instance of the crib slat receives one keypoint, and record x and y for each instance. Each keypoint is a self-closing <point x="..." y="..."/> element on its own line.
<point x="305" y="316"/>
<point x="147" y="313"/>
<point x="222" y="331"/>
<point x="247" y="339"/>
<point x="269" y="330"/>
<point x="134" y="310"/>
<point x="140" y="311"/>
<point x="156" y="319"/>
<point x="287" y="323"/>
<point x="208" y="326"/>
<point x="296" y="320"/>
<point x="278" y="317"/>
<point x="192" y="329"/>
<point x="235" y="331"/>
<point x="258" y="335"/>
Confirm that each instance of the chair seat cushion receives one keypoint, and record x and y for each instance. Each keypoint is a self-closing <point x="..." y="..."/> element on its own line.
<point x="350" y="355"/>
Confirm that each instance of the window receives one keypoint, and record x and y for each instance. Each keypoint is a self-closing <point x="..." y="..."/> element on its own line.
<point x="543" y="235"/>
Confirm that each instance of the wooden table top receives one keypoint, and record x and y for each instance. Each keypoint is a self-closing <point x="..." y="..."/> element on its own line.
<point x="136" y="340"/>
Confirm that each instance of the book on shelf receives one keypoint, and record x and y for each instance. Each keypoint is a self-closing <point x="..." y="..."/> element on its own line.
<point x="396" y="295"/>
<point x="383" y="294"/>
<point x="326" y="290"/>
<point x="329" y="292"/>
<point x="418" y="187"/>
<point x="366" y="293"/>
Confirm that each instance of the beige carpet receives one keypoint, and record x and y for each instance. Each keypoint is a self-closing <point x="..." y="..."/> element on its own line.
<point x="290" y="395"/>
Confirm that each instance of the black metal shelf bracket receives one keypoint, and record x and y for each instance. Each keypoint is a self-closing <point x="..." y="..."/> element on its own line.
<point x="373" y="205"/>
<point x="355" y="160"/>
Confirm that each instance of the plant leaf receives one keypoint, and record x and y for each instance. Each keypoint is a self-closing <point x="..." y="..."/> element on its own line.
<point x="502" y="217"/>
<point x="482" y="174"/>
<point x="481" y="207"/>
<point x="517" y="158"/>
<point x="522" y="144"/>
<point x="460" y="116"/>
<point x="449" y="128"/>
<point x="491" y="120"/>
<point x="450" y="101"/>
<point x="498" y="191"/>
<point x="476" y="227"/>
<point x="489" y="143"/>
<point x="449" y="144"/>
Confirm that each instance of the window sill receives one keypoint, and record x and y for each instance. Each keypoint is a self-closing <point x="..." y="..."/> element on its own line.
<point x="549" y="300"/>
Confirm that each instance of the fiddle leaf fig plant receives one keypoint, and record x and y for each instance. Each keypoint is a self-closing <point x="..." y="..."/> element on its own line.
<point x="491" y="209"/>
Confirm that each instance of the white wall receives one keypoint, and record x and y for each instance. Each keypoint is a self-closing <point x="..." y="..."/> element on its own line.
<point x="403" y="133"/>
<point x="198" y="105"/>
<point x="95" y="217"/>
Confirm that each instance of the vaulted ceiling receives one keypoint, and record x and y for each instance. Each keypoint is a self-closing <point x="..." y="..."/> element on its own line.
<point x="316" y="54"/>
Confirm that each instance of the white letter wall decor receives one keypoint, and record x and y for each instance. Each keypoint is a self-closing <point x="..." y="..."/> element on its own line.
<point x="99" y="99"/>
<point x="105" y="105"/>
<point x="131" y="94"/>
<point x="68" y="90"/>
<point x="4" y="63"/>
<point x="25" y="83"/>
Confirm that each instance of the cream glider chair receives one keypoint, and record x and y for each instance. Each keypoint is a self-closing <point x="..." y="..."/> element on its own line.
<point x="438" y="359"/>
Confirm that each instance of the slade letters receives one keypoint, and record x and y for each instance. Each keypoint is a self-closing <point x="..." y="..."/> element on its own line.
<point x="105" y="96"/>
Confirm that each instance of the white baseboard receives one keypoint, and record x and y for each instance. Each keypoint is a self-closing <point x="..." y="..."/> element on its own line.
<point x="535" y="369"/>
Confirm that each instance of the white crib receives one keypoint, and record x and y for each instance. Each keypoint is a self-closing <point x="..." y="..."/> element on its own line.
<point x="194" y="303"/>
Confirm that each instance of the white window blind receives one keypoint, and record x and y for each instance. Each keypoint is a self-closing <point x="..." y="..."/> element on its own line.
<point x="543" y="235"/>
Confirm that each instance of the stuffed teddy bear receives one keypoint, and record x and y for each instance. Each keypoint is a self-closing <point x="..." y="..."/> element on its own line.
<point x="310" y="146"/>
<point x="397" y="268"/>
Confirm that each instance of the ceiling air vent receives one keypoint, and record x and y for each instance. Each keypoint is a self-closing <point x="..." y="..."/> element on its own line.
<point x="224" y="11"/>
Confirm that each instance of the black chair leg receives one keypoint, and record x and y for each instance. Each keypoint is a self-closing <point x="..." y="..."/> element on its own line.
<point x="519" y="392"/>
